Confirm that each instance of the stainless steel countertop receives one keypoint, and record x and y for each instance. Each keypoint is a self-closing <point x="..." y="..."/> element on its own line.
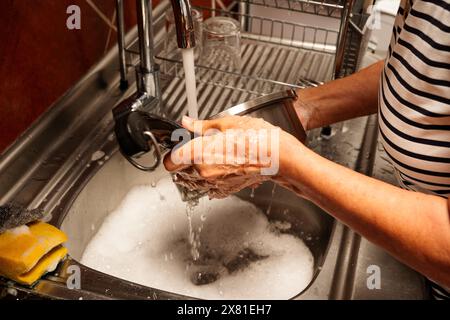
<point x="45" y="162"/>
<point x="350" y="255"/>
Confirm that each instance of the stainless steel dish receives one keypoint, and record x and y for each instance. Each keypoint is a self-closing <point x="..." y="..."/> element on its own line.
<point x="276" y="108"/>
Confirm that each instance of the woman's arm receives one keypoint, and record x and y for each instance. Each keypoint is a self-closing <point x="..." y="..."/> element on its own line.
<point x="412" y="226"/>
<point x="342" y="99"/>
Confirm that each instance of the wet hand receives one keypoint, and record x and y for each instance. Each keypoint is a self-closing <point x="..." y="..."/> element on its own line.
<point x="228" y="155"/>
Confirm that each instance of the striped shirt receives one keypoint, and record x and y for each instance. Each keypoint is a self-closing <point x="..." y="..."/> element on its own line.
<point x="414" y="97"/>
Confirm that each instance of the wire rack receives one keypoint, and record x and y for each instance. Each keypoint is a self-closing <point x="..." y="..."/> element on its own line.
<point x="276" y="54"/>
<point x="356" y="44"/>
<point x="218" y="90"/>
<point x="329" y="8"/>
<point x="273" y="52"/>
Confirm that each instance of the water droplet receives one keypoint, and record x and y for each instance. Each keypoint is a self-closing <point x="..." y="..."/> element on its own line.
<point x="97" y="155"/>
<point x="12" y="291"/>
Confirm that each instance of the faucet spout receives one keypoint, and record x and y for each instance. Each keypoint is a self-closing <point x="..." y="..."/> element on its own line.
<point x="183" y="23"/>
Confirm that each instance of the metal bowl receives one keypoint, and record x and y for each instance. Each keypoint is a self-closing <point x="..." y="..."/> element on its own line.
<point x="276" y="108"/>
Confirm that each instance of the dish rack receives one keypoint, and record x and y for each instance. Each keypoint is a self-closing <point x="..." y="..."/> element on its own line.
<point x="281" y="47"/>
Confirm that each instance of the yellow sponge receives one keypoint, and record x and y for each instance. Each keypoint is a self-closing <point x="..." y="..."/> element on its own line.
<point x="48" y="263"/>
<point x="22" y="248"/>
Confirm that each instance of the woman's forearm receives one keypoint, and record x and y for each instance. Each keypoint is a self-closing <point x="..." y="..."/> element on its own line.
<point x="342" y="99"/>
<point x="412" y="226"/>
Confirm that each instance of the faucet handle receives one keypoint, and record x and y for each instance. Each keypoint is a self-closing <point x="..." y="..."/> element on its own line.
<point x="138" y="131"/>
<point x="161" y="128"/>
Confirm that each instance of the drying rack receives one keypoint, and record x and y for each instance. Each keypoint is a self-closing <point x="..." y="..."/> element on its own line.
<point x="329" y="8"/>
<point x="276" y="53"/>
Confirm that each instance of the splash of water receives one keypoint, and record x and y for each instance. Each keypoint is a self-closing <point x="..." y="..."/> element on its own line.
<point x="194" y="237"/>
<point x="269" y="208"/>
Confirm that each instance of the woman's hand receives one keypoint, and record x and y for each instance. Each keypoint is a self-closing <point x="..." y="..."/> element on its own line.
<point x="229" y="154"/>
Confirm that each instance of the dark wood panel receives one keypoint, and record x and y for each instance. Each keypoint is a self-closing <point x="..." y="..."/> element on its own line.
<point x="40" y="58"/>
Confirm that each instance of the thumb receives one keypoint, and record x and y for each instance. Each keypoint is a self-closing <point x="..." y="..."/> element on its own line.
<point x="171" y="165"/>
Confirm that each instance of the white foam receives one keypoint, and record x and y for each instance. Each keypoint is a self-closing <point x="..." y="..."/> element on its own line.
<point x="145" y="240"/>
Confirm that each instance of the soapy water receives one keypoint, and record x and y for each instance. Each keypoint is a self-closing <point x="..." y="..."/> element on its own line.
<point x="240" y="254"/>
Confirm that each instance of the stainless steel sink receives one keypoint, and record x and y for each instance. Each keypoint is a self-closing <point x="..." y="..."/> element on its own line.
<point x="50" y="167"/>
<point x="106" y="189"/>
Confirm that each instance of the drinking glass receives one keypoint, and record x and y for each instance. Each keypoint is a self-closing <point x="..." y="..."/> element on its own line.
<point x="221" y="43"/>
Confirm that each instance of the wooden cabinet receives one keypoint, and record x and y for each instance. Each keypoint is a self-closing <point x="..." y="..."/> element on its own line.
<point x="40" y="58"/>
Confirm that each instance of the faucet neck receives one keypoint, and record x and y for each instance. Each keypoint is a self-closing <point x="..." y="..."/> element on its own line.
<point x="183" y="23"/>
<point x="147" y="73"/>
<point x="145" y="34"/>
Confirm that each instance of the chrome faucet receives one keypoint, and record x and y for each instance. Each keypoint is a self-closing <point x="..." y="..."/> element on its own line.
<point x="136" y="121"/>
<point x="183" y="23"/>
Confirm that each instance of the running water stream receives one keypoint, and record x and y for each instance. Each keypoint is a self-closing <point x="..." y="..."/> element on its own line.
<point x="194" y="235"/>
<point x="191" y="87"/>
<point x="191" y="94"/>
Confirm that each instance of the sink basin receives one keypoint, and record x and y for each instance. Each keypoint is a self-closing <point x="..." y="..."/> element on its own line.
<point x="104" y="192"/>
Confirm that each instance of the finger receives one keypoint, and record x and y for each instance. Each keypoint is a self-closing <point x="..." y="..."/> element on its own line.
<point x="188" y="123"/>
<point x="202" y="126"/>
<point x="172" y="166"/>
<point x="183" y="157"/>
<point x="179" y="158"/>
